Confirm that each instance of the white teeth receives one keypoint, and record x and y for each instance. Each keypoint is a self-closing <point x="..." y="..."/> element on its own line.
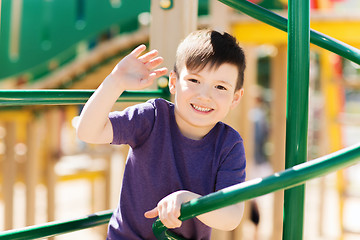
<point x="201" y="109"/>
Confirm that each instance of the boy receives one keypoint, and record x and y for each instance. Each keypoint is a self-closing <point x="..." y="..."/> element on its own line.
<point x="178" y="151"/>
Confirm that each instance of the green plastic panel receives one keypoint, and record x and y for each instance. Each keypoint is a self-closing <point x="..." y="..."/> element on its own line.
<point x="49" y="29"/>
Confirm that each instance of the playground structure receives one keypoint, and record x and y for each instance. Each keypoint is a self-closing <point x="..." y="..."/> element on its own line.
<point x="276" y="182"/>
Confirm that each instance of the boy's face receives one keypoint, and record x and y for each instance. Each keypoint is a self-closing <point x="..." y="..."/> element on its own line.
<point x="204" y="98"/>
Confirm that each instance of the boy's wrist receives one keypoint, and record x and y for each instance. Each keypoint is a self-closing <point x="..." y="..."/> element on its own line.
<point x="188" y="195"/>
<point x="113" y="82"/>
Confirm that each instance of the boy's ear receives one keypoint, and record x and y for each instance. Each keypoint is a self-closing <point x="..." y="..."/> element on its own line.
<point x="172" y="82"/>
<point x="237" y="97"/>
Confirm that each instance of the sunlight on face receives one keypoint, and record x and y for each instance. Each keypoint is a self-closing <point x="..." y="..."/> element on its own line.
<point x="204" y="98"/>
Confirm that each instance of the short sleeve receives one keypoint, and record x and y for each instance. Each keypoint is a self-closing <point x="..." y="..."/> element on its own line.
<point x="232" y="168"/>
<point x="133" y="125"/>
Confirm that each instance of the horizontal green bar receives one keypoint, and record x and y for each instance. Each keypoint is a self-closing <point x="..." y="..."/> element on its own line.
<point x="69" y="97"/>
<point x="257" y="187"/>
<point x="56" y="228"/>
<point x="280" y="22"/>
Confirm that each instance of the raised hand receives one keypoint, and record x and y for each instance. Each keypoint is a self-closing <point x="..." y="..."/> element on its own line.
<point x="136" y="71"/>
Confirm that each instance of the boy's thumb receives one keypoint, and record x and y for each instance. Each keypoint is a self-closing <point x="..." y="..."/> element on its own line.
<point x="153" y="213"/>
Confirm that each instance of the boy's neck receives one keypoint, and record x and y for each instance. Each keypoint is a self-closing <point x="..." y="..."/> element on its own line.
<point x="191" y="135"/>
<point x="192" y="132"/>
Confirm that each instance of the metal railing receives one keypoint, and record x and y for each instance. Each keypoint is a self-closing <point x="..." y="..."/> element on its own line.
<point x="69" y="97"/>
<point x="56" y="228"/>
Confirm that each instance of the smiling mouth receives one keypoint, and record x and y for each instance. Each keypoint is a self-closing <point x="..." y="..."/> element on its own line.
<point x="201" y="109"/>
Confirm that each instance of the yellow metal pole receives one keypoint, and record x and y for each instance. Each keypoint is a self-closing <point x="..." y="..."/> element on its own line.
<point x="9" y="174"/>
<point x="32" y="168"/>
<point x="333" y="104"/>
<point x="277" y="135"/>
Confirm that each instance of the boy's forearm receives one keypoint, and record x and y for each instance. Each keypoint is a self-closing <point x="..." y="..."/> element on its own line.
<point x="225" y="219"/>
<point x="94" y="125"/>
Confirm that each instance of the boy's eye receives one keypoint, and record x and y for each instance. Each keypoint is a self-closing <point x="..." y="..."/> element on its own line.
<point x="193" y="80"/>
<point x="220" y="87"/>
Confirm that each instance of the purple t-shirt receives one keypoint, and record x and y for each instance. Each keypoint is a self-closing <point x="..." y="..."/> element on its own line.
<point x="161" y="161"/>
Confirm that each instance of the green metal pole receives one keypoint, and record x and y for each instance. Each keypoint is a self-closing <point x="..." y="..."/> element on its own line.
<point x="70" y="97"/>
<point x="280" y="22"/>
<point x="58" y="227"/>
<point x="296" y="112"/>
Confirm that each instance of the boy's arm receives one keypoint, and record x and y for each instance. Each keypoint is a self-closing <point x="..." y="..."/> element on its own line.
<point x="131" y="73"/>
<point x="168" y="210"/>
<point x="226" y="219"/>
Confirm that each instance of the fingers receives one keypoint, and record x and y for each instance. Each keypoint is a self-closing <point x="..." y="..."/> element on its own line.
<point x="138" y="50"/>
<point x="150" y="59"/>
<point x="145" y="65"/>
<point x="168" y="214"/>
<point x="157" y="73"/>
<point x="153" y="213"/>
<point x="153" y="63"/>
<point x="148" y="56"/>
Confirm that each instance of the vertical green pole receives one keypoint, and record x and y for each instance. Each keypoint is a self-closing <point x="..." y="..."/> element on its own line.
<point x="297" y="111"/>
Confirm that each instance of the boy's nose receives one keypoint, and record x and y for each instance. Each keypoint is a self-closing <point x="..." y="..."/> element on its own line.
<point x="205" y="93"/>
